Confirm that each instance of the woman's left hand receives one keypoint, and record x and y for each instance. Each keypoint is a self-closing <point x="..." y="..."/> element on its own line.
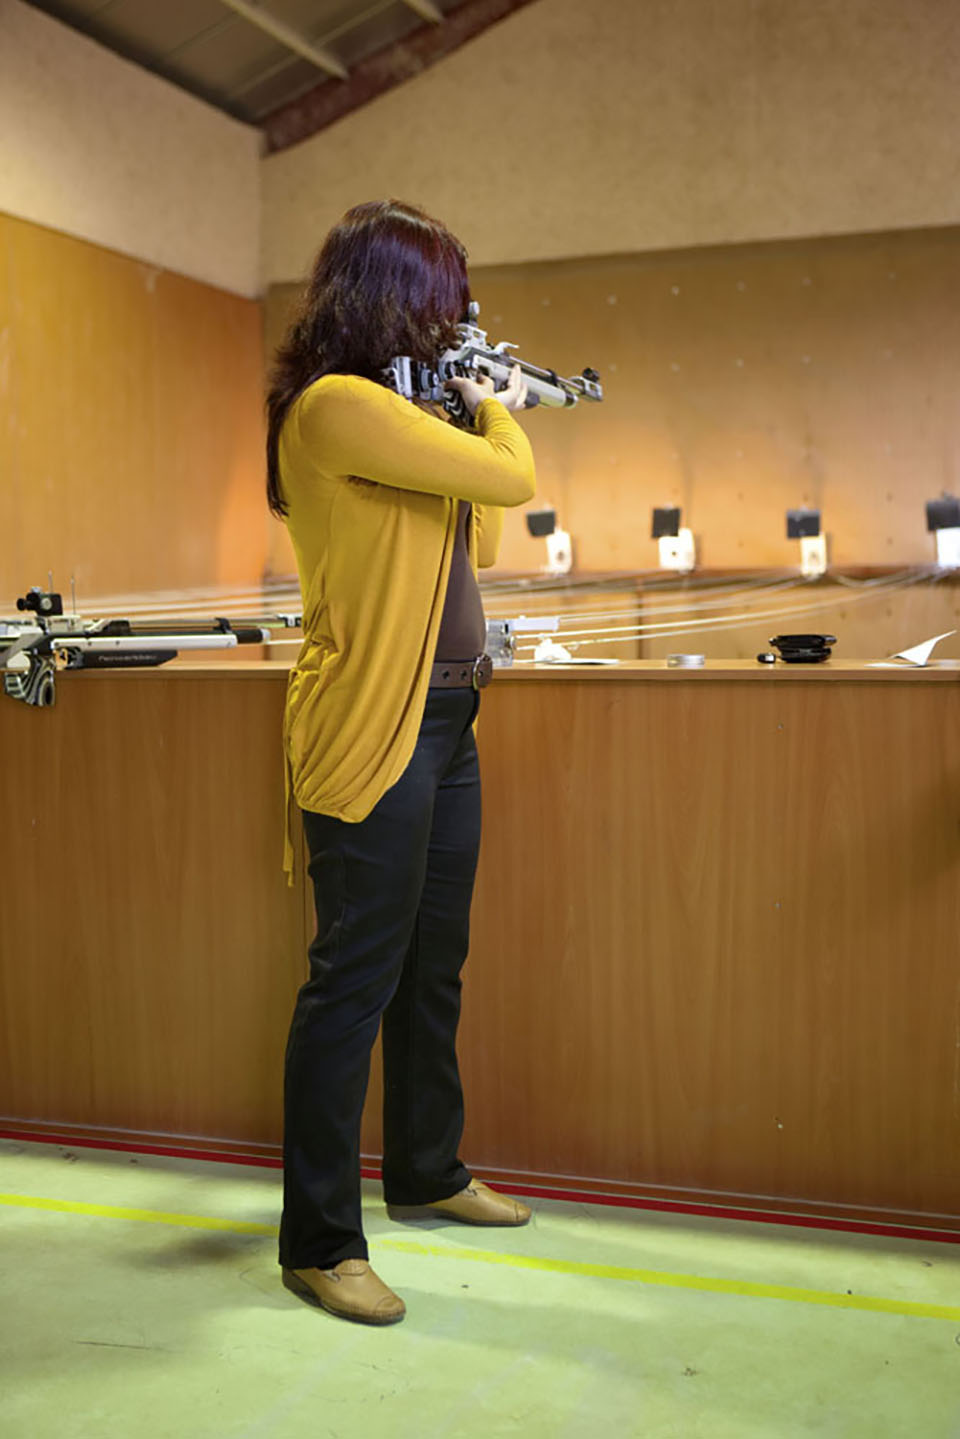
<point x="514" y="396"/>
<point x="474" y="391"/>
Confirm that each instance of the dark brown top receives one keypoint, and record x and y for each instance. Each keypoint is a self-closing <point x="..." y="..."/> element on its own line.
<point x="463" y="629"/>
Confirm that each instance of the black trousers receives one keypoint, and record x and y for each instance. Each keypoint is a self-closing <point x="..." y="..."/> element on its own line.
<point x="392" y="897"/>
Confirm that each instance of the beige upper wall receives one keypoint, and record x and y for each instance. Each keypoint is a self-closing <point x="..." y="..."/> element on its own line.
<point x="100" y="149"/>
<point x="631" y="125"/>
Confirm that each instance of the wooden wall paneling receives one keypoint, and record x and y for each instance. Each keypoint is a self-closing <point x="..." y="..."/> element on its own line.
<point x="11" y="518"/>
<point x="279" y="304"/>
<point x="866" y="1096"/>
<point x="278" y="307"/>
<point x="136" y="405"/>
<point x="741" y="381"/>
<point x="869" y="623"/>
<point x="151" y="947"/>
<point x="606" y="611"/>
<point x="209" y="368"/>
<point x="612" y="1019"/>
<point x="715" y="939"/>
<point x="84" y="375"/>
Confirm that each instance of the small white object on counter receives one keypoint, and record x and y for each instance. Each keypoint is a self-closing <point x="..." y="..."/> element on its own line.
<point x="916" y="654"/>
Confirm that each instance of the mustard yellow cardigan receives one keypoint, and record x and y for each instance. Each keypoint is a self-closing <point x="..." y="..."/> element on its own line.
<point x="371" y="483"/>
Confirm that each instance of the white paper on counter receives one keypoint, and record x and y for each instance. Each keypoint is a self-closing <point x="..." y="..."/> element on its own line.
<point x="916" y="655"/>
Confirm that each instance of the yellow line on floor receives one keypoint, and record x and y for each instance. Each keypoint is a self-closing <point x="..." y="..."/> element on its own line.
<point x="145" y="1216"/>
<point x="656" y="1277"/>
<point x="666" y="1280"/>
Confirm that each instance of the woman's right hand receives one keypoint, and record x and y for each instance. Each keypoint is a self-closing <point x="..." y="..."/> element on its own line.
<point x="513" y="397"/>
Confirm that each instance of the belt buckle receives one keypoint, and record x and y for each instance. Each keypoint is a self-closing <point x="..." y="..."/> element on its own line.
<point x="482" y="672"/>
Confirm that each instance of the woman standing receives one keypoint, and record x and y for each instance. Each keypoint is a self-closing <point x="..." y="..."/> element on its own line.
<point x="390" y="510"/>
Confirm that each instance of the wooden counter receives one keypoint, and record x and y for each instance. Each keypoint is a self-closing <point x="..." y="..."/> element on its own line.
<point x="716" y="937"/>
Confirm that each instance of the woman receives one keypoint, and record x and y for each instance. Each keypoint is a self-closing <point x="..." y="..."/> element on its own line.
<point x="390" y="509"/>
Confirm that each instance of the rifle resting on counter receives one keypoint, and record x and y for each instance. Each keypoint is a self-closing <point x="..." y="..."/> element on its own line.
<point x="46" y="640"/>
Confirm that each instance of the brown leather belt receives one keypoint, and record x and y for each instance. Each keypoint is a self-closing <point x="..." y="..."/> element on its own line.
<point x="462" y="674"/>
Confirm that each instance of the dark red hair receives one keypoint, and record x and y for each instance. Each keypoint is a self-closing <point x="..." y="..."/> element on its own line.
<point x="388" y="281"/>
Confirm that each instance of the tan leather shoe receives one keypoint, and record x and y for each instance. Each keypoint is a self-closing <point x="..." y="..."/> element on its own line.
<point x="350" y="1290"/>
<point x="477" y="1204"/>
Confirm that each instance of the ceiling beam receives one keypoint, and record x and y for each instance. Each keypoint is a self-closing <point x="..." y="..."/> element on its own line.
<point x="288" y="36"/>
<point x="326" y="103"/>
<point x="426" y="9"/>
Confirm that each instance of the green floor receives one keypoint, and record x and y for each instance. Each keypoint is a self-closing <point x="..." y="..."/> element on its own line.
<point x="143" y="1300"/>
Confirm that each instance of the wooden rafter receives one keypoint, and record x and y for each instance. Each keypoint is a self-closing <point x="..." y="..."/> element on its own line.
<point x="426" y="9"/>
<point x="332" y="99"/>
<point x="300" y="44"/>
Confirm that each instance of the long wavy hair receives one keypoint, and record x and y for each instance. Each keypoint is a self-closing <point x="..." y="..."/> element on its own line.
<point x="388" y="281"/>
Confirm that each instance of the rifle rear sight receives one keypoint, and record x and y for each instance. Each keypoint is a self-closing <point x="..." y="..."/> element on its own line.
<point x="41" y="602"/>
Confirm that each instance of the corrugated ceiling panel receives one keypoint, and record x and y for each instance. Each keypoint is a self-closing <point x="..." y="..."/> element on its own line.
<point x="227" y="60"/>
<point x="273" y="87"/>
<point x="156" y="30"/>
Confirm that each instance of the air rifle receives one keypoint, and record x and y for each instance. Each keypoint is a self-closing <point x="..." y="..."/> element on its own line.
<point x="45" y="640"/>
<point x="476" y="356"/>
